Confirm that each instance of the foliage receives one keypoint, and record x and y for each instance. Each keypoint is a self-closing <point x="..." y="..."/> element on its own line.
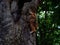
<point x="49" y="22"/>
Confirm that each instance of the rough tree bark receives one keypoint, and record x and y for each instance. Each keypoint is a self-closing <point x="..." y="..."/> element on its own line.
<point x="28" y="38"/>
<point x="12" y="32"/>
<point x="9" y="34"/>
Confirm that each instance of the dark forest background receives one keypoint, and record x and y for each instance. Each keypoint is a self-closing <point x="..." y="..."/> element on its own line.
<point x="48" y="32"/>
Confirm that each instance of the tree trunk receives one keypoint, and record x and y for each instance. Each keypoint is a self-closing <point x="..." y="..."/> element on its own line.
<point x="9" y="33"/>
<point x="26" y="37"/>
<point x="12" y="32"/>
